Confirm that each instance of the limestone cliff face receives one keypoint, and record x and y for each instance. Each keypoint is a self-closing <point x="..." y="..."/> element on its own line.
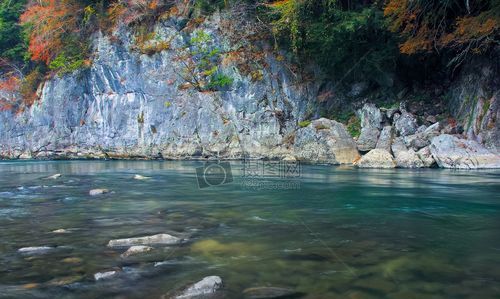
<point x="130" y="105"/>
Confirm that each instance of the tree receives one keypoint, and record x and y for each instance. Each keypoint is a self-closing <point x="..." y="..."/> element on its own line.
<point x="12" y="44"/>
<point x="458" y="26"/>
<point x="49" y="23"/>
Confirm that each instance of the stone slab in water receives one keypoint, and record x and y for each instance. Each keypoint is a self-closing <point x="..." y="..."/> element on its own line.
<point x="270" y="293"/>
<point x="159" y="239"/>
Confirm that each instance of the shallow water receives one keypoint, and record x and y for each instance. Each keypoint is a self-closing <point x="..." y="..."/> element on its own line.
<point x="341" y="233"/>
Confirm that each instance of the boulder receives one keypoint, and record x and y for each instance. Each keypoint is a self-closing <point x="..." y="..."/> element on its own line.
<point x="416" y="141"/>
<point x="404" y="157"/>
<point x="140" y="177"/>
<point x="426" y="156"/>
<point x="370" y="116"/>
<point x="385" y="140"/>
<point x="376" y="158"/>
<point x="159" y="239"/>
<point x="450" y="151"/>
<point x="408" y="159"/>
<point x="136" y="250"/>
<point x="270" y="293"/>
<point x="371" y="123"/>
<point x="405" y="124"/>
<point x="95" y="192"/>
<point x="398" y="146"/>
<point x="325" y="141"/>
<point x="202" y="289"/>
<point x="368" y="138"/>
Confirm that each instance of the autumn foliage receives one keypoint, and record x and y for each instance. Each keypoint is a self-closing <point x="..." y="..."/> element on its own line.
<point x="436" y="25"/>
<point x="49" y="22"/>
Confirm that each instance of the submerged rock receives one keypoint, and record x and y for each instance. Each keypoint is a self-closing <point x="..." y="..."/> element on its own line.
<point x="452" y="152"/>
<point x="60" y="231"/>
<point x="95" y="192"/>
<point x="55" y="176"/>
<point x="205" y="287"/>
<point x="140" y="177"/>
<point x="270" y="293"/>
<point x="159" y="239"/>
<point x="376" y="158"/>
<point x="136" y="250"/>
<point x="104" y="275"/>
<point x="35" y="250"/>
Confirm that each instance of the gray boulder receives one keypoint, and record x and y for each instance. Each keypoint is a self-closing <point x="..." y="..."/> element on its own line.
<point x="325" y="141"/>
<point x="371" y="123"/>
<point x="405" y="124"/>
<point x="409" y="159"/>
<point x="370" y="116"/>
<point x="405" y="158"/>
<point x="385" y="139"/>
<point x="426" y="156"/>
<point x="376" y="158"/>
<point x="416" y="141"/>
<point x="450" y="151"/>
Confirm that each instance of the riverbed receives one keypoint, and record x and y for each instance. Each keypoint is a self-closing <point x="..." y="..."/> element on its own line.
<point x="318" y="231"/>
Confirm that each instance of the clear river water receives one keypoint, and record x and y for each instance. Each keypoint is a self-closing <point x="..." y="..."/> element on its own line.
<point x="327" y="232"/>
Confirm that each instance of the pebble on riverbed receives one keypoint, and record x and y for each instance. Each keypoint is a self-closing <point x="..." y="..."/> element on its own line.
<point x="270" y="292"/>
<point x="104" y="275"/>
<point x="205" y="287"/>
<point x="95" y="192"/>
<point x="60" y="231"/>
<point x="136" y="250"/>
<point x="140" y="177"/>
<point x="160" y="239"/>
<point x="35" y="250"/>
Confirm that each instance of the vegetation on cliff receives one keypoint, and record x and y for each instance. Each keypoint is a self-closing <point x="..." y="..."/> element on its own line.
<point x="350" y="40"/>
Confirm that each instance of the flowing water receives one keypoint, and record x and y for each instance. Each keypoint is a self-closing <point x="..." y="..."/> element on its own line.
<point x="339" y="233"/>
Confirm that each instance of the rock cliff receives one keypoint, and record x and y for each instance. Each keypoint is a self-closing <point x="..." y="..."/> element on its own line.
<point x="133" y="105"/>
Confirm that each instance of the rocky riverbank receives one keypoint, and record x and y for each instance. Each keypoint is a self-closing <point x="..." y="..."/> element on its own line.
<point x="129" y="105"/>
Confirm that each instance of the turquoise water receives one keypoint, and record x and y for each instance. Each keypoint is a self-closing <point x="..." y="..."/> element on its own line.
<point x="338" y="233"/>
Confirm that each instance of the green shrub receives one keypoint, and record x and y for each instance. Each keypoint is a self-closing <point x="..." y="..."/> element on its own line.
<point x="304" y="123"/>
<point x="354" y="126"/>
<point x="349" y="44"/>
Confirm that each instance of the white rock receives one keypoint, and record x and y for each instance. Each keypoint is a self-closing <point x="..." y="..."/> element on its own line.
<point x="376" y="158"/>
<point x="38" y="249"/>
<point x="161" y="239"/>
<point x="206" y="286"/>
<point x="452" y="152"/>
<point x="55" y="176"/>
<point x="95" y="192"/>
<point x="140" y="177"/>
<point x="104" y="275"/>
<point x="135" y="250"/>
<point x="60" y="231"/>
<point x="289" y="158"/>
